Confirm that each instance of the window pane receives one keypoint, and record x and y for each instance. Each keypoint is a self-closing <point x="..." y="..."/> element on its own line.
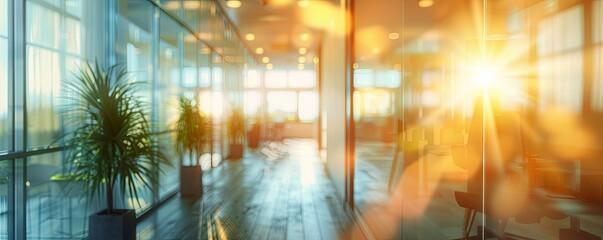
<point x="598" y="21"/>
<point x="3" y="18"/>
<point x="388" y="79"/>
<point x="302" y="79"/>
<point x="282" y="104"/>
<point x="217" y="78"/>
<point x="276" y="79"/>
<point x="56" y="207"/>
<point x="363" y="78"/>
<point x="55" y="47"/>
<point x="205" y="80"/>
<point x="377" y="103"/>
<point x="5" y="173"/>
<point x="169" y="82"/>
<point x="43" y="26"/>
<point x="43" y="89"/>
<point x="252" y="79"/>
<point x="4" y="98"/>
<point x="252" y="102"/>
<point x="308" y="106"/>
<point x="73" y="33"/>
<point x="74" y="7"/>
<point x="597" y="87"/>
<point x="189" y="71"/>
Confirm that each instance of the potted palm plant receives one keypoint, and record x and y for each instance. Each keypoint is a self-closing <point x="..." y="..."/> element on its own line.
<point x="192" y="137"/>
<point x="111" y="146"/>
<point x="236" y="132"/>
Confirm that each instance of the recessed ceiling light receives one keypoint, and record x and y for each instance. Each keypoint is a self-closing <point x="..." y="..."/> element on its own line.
<point x="425" y="3"/>
<point x="355" y="66"/>
<point x="234" y="3"/>
<point x="301" y="59"/>
<point x="302" y="51"/>
<point x="304" y="37"/>
<point x="249" y="37"/>
<point x="269" y="66"/>
<point x="259" y="50"/>
<point x="265" y="59"/>
<point x="316" y="60"/>
<point x="300" y="66"/>
<point x="393" y="36"/>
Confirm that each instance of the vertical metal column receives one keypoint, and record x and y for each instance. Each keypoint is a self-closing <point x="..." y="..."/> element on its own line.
<point x="155" y="85"/>
<point x="350" y="133"/>
<point x="17" y="61"/>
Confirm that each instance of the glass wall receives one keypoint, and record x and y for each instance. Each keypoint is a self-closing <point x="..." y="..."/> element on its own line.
<point x="4" y="101"/>
<point x="488" y="116"/>
<point x="162" y="51"/>
<point x="5" y="180"/>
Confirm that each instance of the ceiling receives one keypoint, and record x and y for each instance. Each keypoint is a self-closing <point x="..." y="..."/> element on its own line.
<point x="278" y="24"/>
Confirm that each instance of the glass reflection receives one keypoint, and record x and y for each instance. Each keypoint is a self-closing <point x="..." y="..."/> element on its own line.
<point x="496" y="116"/>
<point x="4" y="99"/>
<point x="5" y="173"/>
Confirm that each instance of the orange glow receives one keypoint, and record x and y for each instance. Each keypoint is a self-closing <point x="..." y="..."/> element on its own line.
<point x="326" y="16"/>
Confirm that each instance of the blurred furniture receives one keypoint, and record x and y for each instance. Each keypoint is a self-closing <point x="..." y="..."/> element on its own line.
<point x="496" y="154"/>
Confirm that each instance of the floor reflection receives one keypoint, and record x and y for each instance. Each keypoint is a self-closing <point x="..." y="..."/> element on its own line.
<point x="256" y="198"/>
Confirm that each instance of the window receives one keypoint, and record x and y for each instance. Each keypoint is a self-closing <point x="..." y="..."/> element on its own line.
<point x="54" y="48"/>
<point x="252" y="103"/>
<point x="4" y="98"/>
<point x="363" y="78"/>
<point x="276" y="79"/>
<point x="560" y="39"/>
<point x="252" y="79"/>
<point x="189" y="71"/>
<point x="388" y="79"/>
<point x="282" y="104"/>
<point x="205" y="77"/>
<point x="302" y="79"/>
<point x="597" y="85"/>
<point x="308" y="106"/>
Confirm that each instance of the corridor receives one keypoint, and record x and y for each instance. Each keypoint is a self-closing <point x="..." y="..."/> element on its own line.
<point x="256" y="198"/>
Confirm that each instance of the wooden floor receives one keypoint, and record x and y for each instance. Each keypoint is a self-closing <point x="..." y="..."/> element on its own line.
<point x="257" y="198"/>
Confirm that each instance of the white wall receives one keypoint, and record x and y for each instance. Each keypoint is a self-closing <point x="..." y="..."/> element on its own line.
<point x="332" y="63"/>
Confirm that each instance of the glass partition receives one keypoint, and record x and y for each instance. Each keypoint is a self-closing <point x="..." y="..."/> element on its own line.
<point x="4" y="99"/>
<point x="56" y="206"/>
<point x="493" y="129"/>
<point x="5" y="180"/>
<point x="169" y="80"/>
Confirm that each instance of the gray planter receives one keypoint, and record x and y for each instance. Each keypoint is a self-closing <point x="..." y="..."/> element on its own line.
<point x="191" y="184"/>
<point x="119" y="225"/>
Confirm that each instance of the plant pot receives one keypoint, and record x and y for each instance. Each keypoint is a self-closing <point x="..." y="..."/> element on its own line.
<point x="236" y="151"/>
<point x="121" y="224"/>
<point x="191" y="183"/>
<point x="253" y="140"/>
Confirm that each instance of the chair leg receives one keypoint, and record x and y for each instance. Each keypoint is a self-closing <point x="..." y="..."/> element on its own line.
<point x="468" y="222"/>
<point x="502" y="226"/>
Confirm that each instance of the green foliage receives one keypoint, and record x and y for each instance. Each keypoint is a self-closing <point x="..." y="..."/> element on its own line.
<point x="193" y="130"/>
<point x="236" y="125"/>
<point x="111" y="144"/>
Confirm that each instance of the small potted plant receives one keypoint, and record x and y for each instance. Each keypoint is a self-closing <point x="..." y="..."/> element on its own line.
<point x="192" y="137"/>
<point x="236" y="132"/>
<point x="111" y="147"/>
